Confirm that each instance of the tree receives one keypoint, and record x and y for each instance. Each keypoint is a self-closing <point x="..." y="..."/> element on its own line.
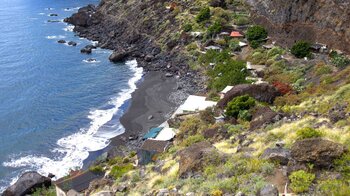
<point x="256" y="33"/>
<point x="301" y="49"/>
<point x="204" y="14"/>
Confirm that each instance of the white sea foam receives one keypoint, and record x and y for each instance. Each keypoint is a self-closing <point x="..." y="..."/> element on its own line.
<point x="74" y="149"/>
<point x="55" y="37"/>
<point x="91" y="61"/>
<point x="71" y="9"/>
<point x="69" y="28"/>
<point x="41" y="13"/>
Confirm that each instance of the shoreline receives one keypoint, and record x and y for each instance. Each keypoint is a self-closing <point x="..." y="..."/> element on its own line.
<point x="150" y="105"/>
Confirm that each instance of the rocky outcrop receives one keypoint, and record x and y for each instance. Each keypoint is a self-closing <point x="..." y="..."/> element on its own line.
<point x="27" y="183"/>
<point x="192" y="158"/>
<point x="317" y="151"/>
<point x="324" y="21"/>
<point x="263" y="116"/>
<point x="280" y="155"/>
<point x="143" y="29"/>
<point x="118" y="56"/>
<point x="83" y="17"/>
<point x="261" y="92"/>
<point x="268" y="190"/>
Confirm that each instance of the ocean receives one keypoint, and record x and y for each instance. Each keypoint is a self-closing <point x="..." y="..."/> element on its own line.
<point x="56" y="106"/>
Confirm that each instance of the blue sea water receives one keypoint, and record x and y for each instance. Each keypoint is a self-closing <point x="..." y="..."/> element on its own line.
<point x="55" y="106"/>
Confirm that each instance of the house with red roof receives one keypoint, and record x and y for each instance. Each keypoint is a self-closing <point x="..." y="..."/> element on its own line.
<point x="236" y="34"/>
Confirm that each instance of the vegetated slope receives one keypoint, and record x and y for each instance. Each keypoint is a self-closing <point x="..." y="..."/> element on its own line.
<point x="325" y="21"/>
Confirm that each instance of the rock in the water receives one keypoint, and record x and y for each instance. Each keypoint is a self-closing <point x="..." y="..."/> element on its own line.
<point x="261" y="92"/>
<point x="61" y="41"/>
<point x="318" y="151"/>
<point x="71" y="43"/>
<point x="118" y="56"/>
<point x="168" y="75"/>
<point x="268" y="190"/>
<point x="87" y="49"/>
<point x="191" y="158"/>
<point x="280" y="155"/>
<point x="27" y="183"/>
<point x="53" y="14"/>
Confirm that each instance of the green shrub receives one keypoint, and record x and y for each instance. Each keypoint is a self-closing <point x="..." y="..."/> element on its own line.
<point x="115" y="160"/>
<point x="187" y="27"/>
<point x="245" y="115"/>
<point x="340" y="61"/>
<point x="334" y="188"/>
<point x="50" y="191"/>
<point x="308" y="132"/>
<point x="255" y="44"/>
<point x="301" y="49"/>
<point x="235" y="129"/>
<point x="96" y="168"/>
<point x="241" y="20"/>
<point x="342" y="165"/>
<point x="190" y="126"/>
<point x="204" y="14"/>
<point x="119" y="170"/>
<point x="244" y="102"/>
<point x="256" y="33"/>
<point x="214" y="29"/>
<point x="301" y="181"/>
<point x="216" y="192"/>
<point x="323" y="69"/>
<point x="192" y="140"/>
<point x="234" y="45"/>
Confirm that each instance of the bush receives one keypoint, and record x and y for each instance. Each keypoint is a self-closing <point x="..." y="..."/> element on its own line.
<point x="234" y="45"/>
<point x="245" y="115"/>
<point x="119" y="170"/>
<point x="214" y="29"/>
<point x="50" y="191"/>
<point x="301" y="49"/>
<point x="191" y="126"/>
<point x="255" y="44"/>
<point x="308" y="132"/>
<point x="192" y="140"/>
<point x="187" y="27"/>
<point x="241" y="20"/>
<point x="244" y="102"/>
<point x="204" y="14"/>
<point x="282" y="87"/>
<point x="96" y="168"/>
<point x="256" y="33"/>
<point x="216" y="193"/>
<point x="301" y="181"/>
<point x="340" y="61"/>
<point x="207" y="115"/>
<point x="333" y="187"/>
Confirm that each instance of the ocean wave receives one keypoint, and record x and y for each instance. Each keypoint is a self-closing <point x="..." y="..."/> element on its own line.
<point x="55" y="37"/>
<point x="74" y="149"/>
<point x="69" y="28"/>
<point x="71" y="9"/>
<point x="91" y="61"/>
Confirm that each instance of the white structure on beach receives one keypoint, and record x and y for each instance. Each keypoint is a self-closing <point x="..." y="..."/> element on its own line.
<point x="193" y="104"/>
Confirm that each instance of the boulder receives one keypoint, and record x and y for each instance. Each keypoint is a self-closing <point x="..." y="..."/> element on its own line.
<point x="27" y="183"/>
<point x="149" y="58"/>
<point x="281" y="155"/>
<point x="337" y="113"/>
<point x="192" y="158"/>
<point x="71" y="43"/>
<point x="217" y="3"/>
<point x="268" y="190"/>
<point x="53" y="14"/>
<point x="87" y="49"/>
<point x="61" y="41"/>
<point x="263" y="116"/>
<point x="261" y="92"/>
<point x="118" y="56"/>
<point x="318" y="151"/>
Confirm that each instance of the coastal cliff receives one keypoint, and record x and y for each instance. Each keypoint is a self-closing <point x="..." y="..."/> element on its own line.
<point x="324" y="21"/>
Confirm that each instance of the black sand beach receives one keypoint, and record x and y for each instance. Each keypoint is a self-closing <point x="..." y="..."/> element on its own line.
<point x="150" y="106"/>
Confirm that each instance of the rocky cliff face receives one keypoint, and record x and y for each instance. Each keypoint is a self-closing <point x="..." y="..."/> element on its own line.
<point x="324" y="21"/>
